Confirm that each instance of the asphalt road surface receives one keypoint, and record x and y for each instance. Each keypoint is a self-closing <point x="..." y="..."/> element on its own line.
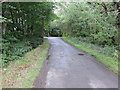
<point x="68" y="67"/>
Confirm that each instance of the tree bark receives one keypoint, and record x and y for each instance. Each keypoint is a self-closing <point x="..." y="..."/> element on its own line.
<point x="42" y="28"/>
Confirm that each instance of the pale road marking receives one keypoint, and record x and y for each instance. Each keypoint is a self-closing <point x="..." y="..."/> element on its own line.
<point x="54" y="76"/>
<point x="96" y="84"/>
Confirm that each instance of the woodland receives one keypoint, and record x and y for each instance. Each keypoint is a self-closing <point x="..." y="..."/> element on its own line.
<point x="24" y="25"/>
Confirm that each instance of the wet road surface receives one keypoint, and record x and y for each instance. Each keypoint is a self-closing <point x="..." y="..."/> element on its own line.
<point x="68" y="67"/>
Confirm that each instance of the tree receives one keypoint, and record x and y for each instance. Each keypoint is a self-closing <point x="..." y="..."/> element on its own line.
<point x="24" y="27"/>
<point x="91" y="20"/>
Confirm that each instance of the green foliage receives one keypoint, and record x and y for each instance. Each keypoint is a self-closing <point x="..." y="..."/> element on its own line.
<point x="13" y="50"/>
<point x="23" y="27"/>
<point x="35" y="41"/>
<point x="53" y="31"/>
<point x="27" y="18"/>
<point x="95" y="21"/>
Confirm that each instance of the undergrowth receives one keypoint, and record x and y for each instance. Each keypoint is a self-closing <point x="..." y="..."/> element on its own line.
<point x="22" y="73"/>
<point x="13" y="48"/>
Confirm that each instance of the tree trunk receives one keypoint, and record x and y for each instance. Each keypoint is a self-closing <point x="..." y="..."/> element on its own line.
<point x="42" y="28"/>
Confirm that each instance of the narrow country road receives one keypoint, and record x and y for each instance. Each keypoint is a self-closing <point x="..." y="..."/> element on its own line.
<point x="68" y="67"/>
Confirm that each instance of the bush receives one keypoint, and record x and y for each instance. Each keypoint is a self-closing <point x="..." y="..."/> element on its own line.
<point x="13" y="49"/>
<point x="35" y="41"/>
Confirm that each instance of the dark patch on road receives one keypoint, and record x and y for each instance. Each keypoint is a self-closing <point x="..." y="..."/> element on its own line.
<point x="93" y="56"/>
<point x="48" y="57"/>
<point x="81" y="54"/>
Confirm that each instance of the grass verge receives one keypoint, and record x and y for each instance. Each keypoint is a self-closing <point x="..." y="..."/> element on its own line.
<point x="22" y="73"/>
<point x="110" y="62"/>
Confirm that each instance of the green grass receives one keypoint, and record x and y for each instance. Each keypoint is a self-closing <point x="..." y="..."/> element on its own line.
<point x="110" y="62"/>
<point x="22" y="73"/>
